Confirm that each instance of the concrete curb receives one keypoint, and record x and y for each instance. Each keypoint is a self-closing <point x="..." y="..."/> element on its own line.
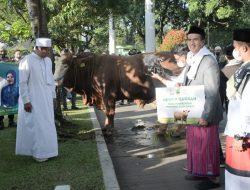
<point x="109" y="176"/>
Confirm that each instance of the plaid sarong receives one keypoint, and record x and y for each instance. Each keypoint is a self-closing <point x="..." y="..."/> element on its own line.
<point x="203" y="158"/>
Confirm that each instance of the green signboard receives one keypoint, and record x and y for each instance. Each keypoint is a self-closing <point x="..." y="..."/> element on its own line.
<point x="180" y="105"/>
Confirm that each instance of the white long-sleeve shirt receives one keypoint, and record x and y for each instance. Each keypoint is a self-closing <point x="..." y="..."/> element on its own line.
<point x="238" y="122"/>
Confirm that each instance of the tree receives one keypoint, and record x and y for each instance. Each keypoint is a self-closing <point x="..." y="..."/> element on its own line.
<point x="38" y="18"/>
<point x="168" y="14"/>
<point x="84" y="23"/>
<point x="14" y="25"/>
<point x="219" y="13"/>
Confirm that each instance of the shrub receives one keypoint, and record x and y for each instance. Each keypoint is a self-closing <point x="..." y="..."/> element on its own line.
<point x="172" y="38"/>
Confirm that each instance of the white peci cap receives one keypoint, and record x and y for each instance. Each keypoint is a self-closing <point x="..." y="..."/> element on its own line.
<point x="3" y="46"/>
<point x="43" y="42"/>
<point x="217" y="48"/>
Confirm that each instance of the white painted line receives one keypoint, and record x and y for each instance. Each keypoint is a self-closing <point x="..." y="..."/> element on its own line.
<point x="109" y="176"/>
<point x="62" y="187"/>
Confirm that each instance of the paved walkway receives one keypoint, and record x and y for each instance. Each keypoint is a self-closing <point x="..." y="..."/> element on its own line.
<point x="144" y="160"/>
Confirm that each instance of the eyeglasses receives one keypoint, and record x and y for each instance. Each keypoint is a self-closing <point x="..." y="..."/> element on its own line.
<point x="10" y="76"/>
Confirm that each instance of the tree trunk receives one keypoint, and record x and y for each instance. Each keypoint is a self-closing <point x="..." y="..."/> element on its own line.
<point x="37" y="18"/>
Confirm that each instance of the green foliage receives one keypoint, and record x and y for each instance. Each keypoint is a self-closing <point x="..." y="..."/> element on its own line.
<point x="100" y="40"/>
<point x="244" y="20"/>
<point x="193" y="6"/>
<point x="74" y="23"/>
<point x="225" y="12"/>
<point x="168" y="14"/>
<point x="14" y="26"/>
<point x="211" y="5"/>
<point x="70" y="22"/>
<point x="218" y="13"/>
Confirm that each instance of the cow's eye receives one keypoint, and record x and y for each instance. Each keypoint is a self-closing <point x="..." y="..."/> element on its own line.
<point x="160" y="59"/>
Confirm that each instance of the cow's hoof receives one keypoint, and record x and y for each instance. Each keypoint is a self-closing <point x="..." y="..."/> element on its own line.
<point x="107" y="131"/>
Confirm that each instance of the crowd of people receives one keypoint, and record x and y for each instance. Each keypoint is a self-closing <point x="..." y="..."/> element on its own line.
<point x="224" y="74"/>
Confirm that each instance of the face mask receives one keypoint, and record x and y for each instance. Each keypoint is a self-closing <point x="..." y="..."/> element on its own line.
<point x="181" y="64"/>
<point x="236" y="55"/>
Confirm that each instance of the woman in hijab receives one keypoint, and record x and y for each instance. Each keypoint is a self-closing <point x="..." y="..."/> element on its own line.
<point x="9" y="96"/>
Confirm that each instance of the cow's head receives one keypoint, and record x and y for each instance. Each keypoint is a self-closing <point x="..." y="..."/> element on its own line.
<point x="66" y="65"/>
<point x="162" y="62"/>
<point x="62" y="64"/>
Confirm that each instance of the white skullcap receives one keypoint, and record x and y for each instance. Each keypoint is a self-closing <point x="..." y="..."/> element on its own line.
<point x="3" y="46"/>
<point x="217" y="48"/>
<point x="43" y="42"/>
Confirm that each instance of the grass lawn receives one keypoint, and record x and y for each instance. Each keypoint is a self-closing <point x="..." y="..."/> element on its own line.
<point x="77" y="164"/>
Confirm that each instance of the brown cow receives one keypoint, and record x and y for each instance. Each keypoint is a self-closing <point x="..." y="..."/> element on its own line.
<point x="181" y="115"/>
<point x="104" y="79"/>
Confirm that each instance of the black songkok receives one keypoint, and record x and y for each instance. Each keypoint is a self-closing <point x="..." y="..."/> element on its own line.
<point x="197" y="30"/>
<point x="242" y="35"/>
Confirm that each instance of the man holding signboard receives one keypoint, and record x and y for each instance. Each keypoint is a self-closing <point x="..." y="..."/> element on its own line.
<point x="203" y="159"/>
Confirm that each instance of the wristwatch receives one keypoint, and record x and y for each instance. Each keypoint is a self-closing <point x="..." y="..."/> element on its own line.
<point x="238" y="137"/>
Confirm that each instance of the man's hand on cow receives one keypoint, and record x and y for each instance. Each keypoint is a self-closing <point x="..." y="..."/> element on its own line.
<point x="155" y="76"/>
<point x="28" y="107"/>
<point x="159" y="77"/>
<point x="202" y="122"/>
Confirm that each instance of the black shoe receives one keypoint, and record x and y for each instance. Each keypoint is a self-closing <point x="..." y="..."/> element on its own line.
<point x="204" y="185"/>
<point x="74" y="108"/>
<point x="194" y="178"/>
<point x="222" y="165"/>
<point x="12" y="124"/>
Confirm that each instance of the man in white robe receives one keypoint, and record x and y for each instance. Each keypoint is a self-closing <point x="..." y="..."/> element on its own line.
<point x="237" y="173"/>
<point x="36" y="133"/>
